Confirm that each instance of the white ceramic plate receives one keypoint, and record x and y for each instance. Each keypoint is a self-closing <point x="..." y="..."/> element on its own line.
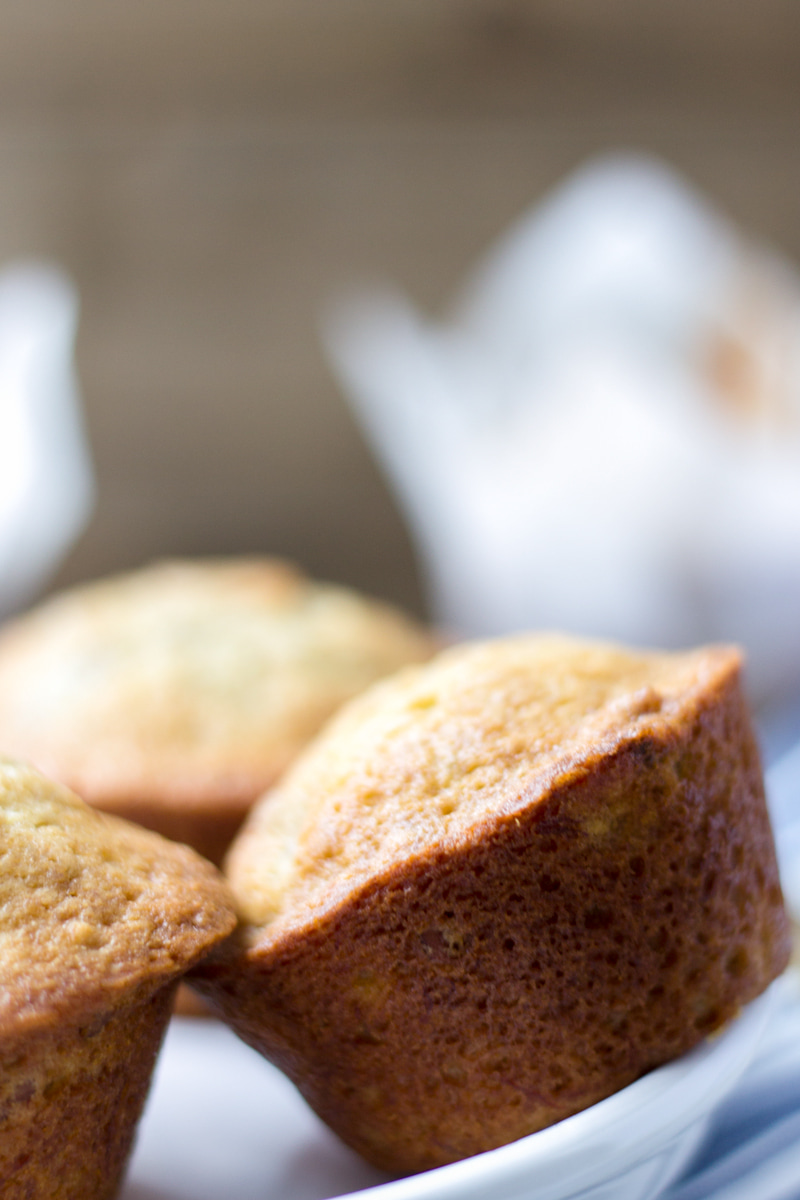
<point x="221" y="1123"/>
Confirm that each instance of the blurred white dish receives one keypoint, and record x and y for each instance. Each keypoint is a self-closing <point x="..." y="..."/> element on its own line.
<point x="46" y="486"/>
<point x="221" y="1122"/>
<point x="604" y="435"/>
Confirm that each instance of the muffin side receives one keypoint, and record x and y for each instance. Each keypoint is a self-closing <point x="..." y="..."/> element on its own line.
<point x="70" y="1099"/>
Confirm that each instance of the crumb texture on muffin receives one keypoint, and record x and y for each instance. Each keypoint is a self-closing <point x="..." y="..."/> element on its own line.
<point x="501" y="887"/>
<point x="427" y="757"/>
<point x="90" y="906"/>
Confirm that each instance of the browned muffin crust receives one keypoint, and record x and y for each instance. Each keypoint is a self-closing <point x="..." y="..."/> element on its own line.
<point x="502" y="887"/>
<point x="173" y="696"/>
<point x="98" y="921"/>
<point x="70" y="1099"/>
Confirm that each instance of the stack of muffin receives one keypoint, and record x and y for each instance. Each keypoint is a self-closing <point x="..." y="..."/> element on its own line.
<point x="489" y="891"/>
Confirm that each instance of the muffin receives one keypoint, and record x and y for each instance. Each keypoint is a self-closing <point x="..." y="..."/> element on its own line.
<point x="98" y="921"/>
<point x="500" y="887"/>
<point x="175" y="695"/>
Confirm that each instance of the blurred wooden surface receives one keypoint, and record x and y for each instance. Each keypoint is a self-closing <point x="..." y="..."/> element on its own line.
<point x="210" y="173"/>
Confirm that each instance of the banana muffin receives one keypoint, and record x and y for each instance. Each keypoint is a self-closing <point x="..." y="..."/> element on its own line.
<point x="173" y="696"/>
<point x="500" y="887"/>
<point x="98" y="921"/>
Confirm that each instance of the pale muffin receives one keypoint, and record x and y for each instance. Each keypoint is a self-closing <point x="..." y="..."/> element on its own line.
<point x="98" y="921"/>
<point x="501" y="887"/>
<point x="175" y="695"/>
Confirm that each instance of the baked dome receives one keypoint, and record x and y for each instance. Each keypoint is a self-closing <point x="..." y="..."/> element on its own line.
<point x="500" y="887"/>
<point x="174" y="695"/>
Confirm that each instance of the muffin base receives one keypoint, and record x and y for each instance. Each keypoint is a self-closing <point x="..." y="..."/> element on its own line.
<point x="70" y="1099"/>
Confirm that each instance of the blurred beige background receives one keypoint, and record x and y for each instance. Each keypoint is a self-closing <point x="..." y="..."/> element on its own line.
<point x="211" y="172"/>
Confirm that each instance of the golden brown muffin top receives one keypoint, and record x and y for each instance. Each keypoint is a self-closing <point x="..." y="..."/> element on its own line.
<point x="92" y="908"/>
<point x="428" y="759"/>
<point x="191" y="681"/>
